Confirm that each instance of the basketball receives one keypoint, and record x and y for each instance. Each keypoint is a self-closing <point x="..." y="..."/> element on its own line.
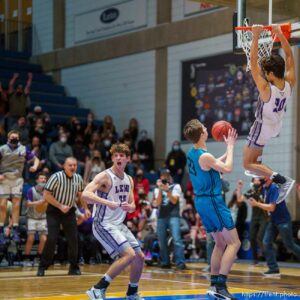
<point x="220" y="129"/>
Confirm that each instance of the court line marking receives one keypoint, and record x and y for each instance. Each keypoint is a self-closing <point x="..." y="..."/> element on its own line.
<point x="144" y="294"/>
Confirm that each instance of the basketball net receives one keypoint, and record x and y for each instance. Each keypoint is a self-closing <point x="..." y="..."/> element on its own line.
<point x="265" y="43"/>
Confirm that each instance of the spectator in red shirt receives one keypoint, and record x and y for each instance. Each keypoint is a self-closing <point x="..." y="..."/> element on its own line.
<point x="141" y="190"/>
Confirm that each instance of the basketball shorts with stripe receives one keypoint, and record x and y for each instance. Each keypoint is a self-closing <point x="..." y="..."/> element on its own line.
<point x="115" y="238"/>
<point x="260" y="133"/>
<point x="214" y="213"/>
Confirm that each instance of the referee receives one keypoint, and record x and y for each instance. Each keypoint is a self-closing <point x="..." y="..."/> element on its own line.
<point x="61" y="192"/>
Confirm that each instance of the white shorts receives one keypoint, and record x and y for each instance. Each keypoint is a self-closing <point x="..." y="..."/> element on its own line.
<point x="11" y="188"/>
<point x="260" y="133"/>
<point x="39" y="226"/>
<point x="115" y="239"/>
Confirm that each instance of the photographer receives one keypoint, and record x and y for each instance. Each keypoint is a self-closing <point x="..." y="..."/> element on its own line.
<point x="258" y="220"/>
<point x="167" y="197"/>
<point x="280" y="221"/>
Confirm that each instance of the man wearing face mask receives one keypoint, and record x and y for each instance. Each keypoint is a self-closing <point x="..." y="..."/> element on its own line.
<point x="22" y="127"/>
<point x="167" y="196"/>
<point x="12" y="158"/>
<point x="18" y="101"/>
<point x="145" y="150"/>
<point x="36" y="217"/>
<point x="279" y="222"/>
<point x="59" y="151"/>
<point x="176" y="161"/>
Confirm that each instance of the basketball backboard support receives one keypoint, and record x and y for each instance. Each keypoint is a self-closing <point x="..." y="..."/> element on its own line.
<point x="245" y="11"/>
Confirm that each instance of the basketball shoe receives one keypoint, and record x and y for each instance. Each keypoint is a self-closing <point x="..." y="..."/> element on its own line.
<point x="285" y="188"/>
<point x="272" y="274"/>
<point x="220" y="292"/>
<point x="96" y="294"/>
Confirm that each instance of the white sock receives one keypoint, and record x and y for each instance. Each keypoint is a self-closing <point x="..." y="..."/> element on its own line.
<point x="133" y="284"/>
<point x="273" y="175"/>
<point x="107" y="278"/>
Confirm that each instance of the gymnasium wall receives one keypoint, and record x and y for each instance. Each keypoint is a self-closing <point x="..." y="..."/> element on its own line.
<point x="42" y="18"/>
<point x="122" y="87"/>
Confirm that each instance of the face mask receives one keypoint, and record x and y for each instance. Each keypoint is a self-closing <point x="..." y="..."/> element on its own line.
<point x="63" y="140"/>
<point x="14" y="142"/>
<point x="19" y="93"/>
<point x="176" y="147"/>
<point x="40" y="186"/>
<point x="107" y="143"/>
<point x="139" y="176"/>
<point x="144" y="136"/>
<point x="256" y="186"/>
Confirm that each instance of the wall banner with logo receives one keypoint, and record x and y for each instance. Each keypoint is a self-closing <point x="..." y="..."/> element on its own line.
<point x="108" y="21"/>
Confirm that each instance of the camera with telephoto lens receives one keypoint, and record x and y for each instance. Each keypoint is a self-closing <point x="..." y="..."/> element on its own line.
<point x="249" y="194"/>
<point x="164" y="181"/>
<point x="254" y="193"/>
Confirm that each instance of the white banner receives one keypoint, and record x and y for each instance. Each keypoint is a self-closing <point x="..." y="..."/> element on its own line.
<point x="110" y="20"/>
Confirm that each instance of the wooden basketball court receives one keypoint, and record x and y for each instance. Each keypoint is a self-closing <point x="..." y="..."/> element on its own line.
<point x="245" y="281"/>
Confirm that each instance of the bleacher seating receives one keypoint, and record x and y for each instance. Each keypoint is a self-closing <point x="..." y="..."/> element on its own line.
<point x="44" y="92"/>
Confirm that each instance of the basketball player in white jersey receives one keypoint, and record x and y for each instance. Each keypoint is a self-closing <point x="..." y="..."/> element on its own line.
<point x="275" y="79"/>
<point x="112" y="193"/>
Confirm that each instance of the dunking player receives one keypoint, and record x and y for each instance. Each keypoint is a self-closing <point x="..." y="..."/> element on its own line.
<point x="112" y="192"/>
<point x="204" y="173"/>
<point x="274" y="79"/>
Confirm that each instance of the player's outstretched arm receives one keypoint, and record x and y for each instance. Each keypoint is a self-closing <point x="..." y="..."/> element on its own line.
<point x="261" y="83"/>
<point x="89" y="195"/>
<point x="290" y="74"/>
<point x="207" y="161"/>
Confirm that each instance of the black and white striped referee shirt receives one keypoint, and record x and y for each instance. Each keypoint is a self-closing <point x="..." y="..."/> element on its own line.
<point x="64" y="188"/>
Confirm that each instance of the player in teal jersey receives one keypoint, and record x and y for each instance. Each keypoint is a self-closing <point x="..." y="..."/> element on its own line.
<point x="204" y="171"/>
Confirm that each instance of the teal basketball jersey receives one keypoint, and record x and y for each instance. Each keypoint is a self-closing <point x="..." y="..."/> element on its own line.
<point x="204" y="182"/>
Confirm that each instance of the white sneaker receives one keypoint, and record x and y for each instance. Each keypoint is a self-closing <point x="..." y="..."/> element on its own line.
<point x="220" y="293"/>
<point x="27" y="263"/>
<point x="285" y="188"/>
<point x="96" y="294"/>
<point x="134" y="297"/>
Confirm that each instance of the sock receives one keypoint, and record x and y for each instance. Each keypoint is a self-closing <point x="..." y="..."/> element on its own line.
<point x="103" y="283"/>
<point x="214" y="279"/>
<point x="132" y="288"/>
<point x="273" y="175"/>
<point x="277" y="178"/>
<point x="2" y="228"/>
<point x="222" y="280"/>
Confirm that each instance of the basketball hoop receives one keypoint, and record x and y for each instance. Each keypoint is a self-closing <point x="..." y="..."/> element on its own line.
<point x="265" y="41"/>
